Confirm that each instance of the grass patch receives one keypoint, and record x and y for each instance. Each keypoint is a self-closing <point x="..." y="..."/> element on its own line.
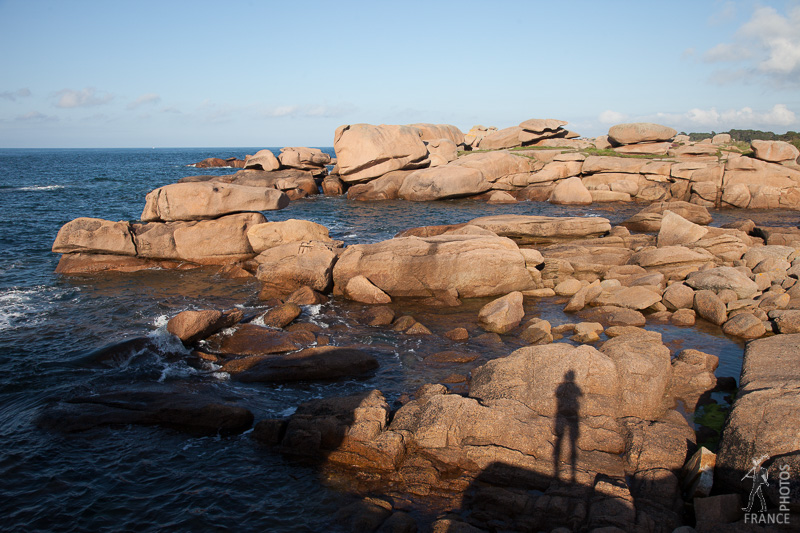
<point x="712" y="416"/>
<point x="562" y="148"/>
<point x="608" y="152"/>
<point x="517" y="149"/>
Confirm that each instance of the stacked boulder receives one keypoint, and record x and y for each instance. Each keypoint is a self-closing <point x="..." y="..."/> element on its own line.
<point x="183" y="225"/>
<point x="528" y="133"/>
<point x="301" y="158"/>
<point x="473" y="138"/>
<point x="641" y="138"/>
<point x="586" y="437"/>
<point x="420" y="162"/>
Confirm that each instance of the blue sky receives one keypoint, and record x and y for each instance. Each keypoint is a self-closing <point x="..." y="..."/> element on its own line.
<point x="249" y="73"/>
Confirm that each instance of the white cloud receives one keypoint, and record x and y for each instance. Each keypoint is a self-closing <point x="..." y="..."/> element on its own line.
<point x="726" y="52"/>
<point x="723" y="15"/>
<point x="611" y="117"/>
<point x="88" y="97"/>
<point x="282" y="111"/>
<point x="780" y="117"/>
<point x="35" y="116"/>
<point x="767" y="44"/>
<point x="319" y="110"/>
<point x="145" y="99"/>
<point x="13" y="95"/>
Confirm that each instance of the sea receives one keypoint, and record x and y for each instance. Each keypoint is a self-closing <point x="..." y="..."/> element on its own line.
<point x="135" y="478"/>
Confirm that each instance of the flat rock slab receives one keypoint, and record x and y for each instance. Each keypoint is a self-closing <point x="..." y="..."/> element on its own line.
<point x="762" y="424"/>
<point x="251" y="339"/>
<point x="628" y="297"/>
<point x="197" y="414"/>
<point x="318" y="363"/>
<point x="525" y="229"/>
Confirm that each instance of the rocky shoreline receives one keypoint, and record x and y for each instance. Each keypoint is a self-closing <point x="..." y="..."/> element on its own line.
<point x="586" y="435"/>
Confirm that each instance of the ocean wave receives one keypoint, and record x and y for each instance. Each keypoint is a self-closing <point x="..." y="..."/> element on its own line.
<point x="27" y="306"/>
<point x="39" y="188"/>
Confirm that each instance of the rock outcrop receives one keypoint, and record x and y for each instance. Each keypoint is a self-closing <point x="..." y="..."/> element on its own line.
<point x="757" y="433"/>
<point x="472" y="265"/>
<point x="197" y="201"/>
<point x="364" y="152"/>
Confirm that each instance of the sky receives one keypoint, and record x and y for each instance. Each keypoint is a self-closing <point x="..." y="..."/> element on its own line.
<point x="169" y="73"/>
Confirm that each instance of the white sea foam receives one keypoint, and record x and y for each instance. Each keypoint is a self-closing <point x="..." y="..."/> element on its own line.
<point x="289" y="411"/>
<point x="222" y="376"/>
<point x="40" y="188"/>
<point x="160" y="321"/>
<point x="28" y="306"/>
<point x="166" y="342"/>
<point x="175" y="370"/>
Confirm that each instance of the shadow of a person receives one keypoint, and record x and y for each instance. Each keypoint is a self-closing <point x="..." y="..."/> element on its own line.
<point x="568" y="396"/>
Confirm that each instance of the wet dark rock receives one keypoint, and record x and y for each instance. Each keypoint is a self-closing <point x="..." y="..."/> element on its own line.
<point x="377" y="316"/>
<point x="451" y="356"/>
<point x="197" y="414"/>
<point x="282" y="315"/>
<point x="319" y="363"/>
<point x="306" y="296"/>
<point x="457" y="334"/>
<point x="363" y="516"/>
<point x="192" y="326"/>
<point x="122" y="353"/>
<point x="251" y="339"/>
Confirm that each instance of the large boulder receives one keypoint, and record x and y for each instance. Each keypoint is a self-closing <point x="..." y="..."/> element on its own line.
<point x="303" y="158"/>
<point x="271" y="234"/>
<point x="364" y="151"/>
<point x="95" y="235"/>
<point x="502" y="315"/>
<point x="571" y="191"/>
<point x="757" y="174"/>
<point x="384" y="188"/>
<point x="542" y="125"/>
<point x="720" y="278"/>
<point x="675" y="262"/>
<point x="197" y="201"/>
<point x="216" y="242"/>
<point x="441" y="151"/>
<point x="649" y="219"/>
<point x="439" y="183"/>
<point x="628" y="297"/>
<point x="473" y="265"/>
<point x="432" y="132"/>
<point x="503" y="167"/>
<point x="638" y="132"/>
<point x="677" y="230"/>
<point x="262" y="160"/>
<point x="531" y="229"/>
<point x="644" y="372"/>
<point x="192" y="326"/>
<point x="759" y="431"/>
<point x="501" y="139"/>
<point x="339" y="429"/>
<point x="775" y="151"/>
<point x="285" y="268"/>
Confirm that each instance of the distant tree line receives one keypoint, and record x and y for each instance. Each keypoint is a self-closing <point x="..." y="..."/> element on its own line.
<point x="751" y="135"/>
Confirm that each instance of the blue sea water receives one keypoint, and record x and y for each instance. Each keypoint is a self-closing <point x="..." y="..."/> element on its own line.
<point x="143" y="479"/>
